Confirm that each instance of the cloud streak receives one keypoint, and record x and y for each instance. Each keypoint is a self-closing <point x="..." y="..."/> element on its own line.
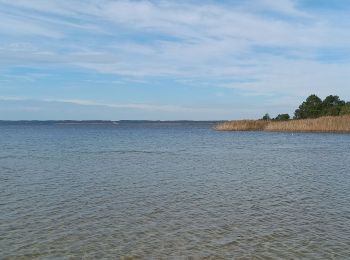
<point x="262" y="47"/>
<point x="135" y="106"/>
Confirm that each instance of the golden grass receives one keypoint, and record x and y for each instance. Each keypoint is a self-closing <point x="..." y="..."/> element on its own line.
<point x="242" y="125"/>
<point x="322" y="124"/>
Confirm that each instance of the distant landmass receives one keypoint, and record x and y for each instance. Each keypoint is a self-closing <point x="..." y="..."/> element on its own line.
<point x="54" y="122"/>
<point x="96" y="122"/>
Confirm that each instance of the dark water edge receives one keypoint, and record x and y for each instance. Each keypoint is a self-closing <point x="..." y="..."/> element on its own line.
<point x="160" y="190"/>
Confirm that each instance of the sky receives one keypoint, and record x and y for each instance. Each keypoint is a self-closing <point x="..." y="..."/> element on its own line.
<point x="169" y="60"/>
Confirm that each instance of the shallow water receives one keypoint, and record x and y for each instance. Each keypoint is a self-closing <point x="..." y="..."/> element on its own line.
<point x="162" y="190"/>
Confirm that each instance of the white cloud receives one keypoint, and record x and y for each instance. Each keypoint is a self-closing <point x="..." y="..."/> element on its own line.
<point x="14" y="25"/>
<point x="182" y="41"/>
<point x="166" y="108"/>
<point x="281" y="6"/>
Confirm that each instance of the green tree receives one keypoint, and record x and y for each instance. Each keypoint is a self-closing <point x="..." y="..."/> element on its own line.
<point x="311" y="108"/>
<point x="282" y="117"/>
<point x="266" y="117"/>
<point x="332" y="105"/>
<point x="345" y="110"/>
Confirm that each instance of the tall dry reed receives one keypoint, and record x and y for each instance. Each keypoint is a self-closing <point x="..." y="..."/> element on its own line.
<point x="242" y="125"/>
<point x="322" y="124"/>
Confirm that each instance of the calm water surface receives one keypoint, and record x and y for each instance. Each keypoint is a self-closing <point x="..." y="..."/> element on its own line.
<point x="178" y="191"/>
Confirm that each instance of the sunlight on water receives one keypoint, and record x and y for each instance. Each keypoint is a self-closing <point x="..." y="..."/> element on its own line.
<point x="172" y="191"/>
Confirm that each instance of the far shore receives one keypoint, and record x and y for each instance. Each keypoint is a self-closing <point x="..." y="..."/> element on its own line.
<point x="327" y="124"/>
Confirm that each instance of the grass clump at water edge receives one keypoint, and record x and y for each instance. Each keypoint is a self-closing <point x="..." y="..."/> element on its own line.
<point x="321" y="124"/>
<point x="242" y="125"/>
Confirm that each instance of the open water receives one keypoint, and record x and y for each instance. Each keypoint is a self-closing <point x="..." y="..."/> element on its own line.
<point x="172" y="191"/>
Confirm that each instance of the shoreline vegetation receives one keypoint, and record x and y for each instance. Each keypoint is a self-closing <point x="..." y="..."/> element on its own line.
<point x="327" y="124"/>
<point x="331" y="115"/>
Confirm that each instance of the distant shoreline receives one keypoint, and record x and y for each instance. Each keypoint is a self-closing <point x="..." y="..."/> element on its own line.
<point x="103" y="122"/>
<point x="327" y="124"/>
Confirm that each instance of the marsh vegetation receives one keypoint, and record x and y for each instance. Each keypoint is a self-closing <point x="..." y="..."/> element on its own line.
<point x="313" y="115"/>
<point x="321" y="124"/>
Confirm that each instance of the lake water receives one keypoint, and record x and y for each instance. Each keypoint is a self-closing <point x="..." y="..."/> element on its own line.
<point x="172" y="191"/>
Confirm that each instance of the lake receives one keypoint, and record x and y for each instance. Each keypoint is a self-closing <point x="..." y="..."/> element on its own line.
<point x="172" y="190"/>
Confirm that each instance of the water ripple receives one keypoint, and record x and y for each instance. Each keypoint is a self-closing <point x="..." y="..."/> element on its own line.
<point x="172" y="193"/>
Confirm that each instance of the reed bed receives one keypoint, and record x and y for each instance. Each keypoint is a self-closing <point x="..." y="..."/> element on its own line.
<point x="322" y="124"/>
<point x="242" y="125"/>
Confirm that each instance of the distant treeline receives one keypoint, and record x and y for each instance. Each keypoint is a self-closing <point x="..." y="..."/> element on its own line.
<point x="53" y="122"/>
<point x="314" y="107"/>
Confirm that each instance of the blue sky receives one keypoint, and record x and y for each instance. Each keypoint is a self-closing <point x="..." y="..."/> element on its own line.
<point x="168" y="60"/>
